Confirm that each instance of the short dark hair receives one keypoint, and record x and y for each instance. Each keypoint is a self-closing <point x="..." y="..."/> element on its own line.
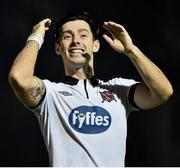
<point x="82" y="15"/>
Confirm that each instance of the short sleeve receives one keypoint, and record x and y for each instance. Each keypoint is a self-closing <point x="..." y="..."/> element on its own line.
<point x="40" y="107"/>
<point x="122" y="87"/>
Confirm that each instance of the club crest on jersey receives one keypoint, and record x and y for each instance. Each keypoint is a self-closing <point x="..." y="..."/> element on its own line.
<point x="107" y="96"/>
<point x="89" y="119"/>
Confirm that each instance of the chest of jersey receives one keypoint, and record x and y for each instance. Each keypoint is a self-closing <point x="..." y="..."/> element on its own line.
<point x="88" y="109"/>
<point x="84" y="125"/>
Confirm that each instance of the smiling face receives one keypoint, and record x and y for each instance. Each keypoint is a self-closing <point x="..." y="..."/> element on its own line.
<point x="75" y="41"/>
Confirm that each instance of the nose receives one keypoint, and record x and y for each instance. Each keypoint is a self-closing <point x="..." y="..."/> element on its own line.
<point x="76" y="39"/>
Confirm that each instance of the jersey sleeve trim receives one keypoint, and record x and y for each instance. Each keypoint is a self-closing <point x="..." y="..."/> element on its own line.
<point x="131" y="96"/>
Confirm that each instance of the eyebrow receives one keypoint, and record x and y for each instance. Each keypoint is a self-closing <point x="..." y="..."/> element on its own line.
<point x="79" y="30"/>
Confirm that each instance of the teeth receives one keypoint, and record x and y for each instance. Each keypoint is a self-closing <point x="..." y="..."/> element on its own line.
<point x="76" y="51"/>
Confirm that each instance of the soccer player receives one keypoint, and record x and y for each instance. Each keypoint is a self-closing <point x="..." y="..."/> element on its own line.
<point x="82" y="118"/>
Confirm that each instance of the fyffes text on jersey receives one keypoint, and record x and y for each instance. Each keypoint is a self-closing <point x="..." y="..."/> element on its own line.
<point x="89" y="119"/>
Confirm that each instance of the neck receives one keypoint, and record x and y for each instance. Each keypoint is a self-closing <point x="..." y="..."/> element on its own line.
<point x="85" y="72"/>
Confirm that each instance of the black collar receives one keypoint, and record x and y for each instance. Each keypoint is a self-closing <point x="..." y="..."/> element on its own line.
<point x="73" y="81"/>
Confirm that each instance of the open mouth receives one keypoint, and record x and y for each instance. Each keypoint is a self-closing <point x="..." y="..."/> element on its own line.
<point x="76" y="51"/>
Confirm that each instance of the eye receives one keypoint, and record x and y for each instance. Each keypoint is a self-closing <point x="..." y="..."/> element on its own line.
<point x="67" y="36"/>
<point x="84" y="35"/>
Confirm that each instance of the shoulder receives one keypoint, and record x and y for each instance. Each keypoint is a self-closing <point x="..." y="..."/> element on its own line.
<point x="52" y="84"/>
<point x="119" y="81"/>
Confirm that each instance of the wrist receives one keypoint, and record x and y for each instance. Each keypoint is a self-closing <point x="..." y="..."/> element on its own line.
<point x="37" y="38"/>
<point x="134" y="53"/>
<point x="131" y="50"/>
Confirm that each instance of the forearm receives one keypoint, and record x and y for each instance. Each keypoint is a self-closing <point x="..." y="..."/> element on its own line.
<point x="28" y="88"/>
<point x="152" y="76"/>
<point x="156" y="88"/>
<point x="24" y="64"/>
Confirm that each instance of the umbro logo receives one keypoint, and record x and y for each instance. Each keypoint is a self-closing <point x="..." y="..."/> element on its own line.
<point x="65" y="93"/>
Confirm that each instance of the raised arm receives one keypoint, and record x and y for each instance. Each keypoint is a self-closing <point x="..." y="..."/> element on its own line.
<point x="28" y="88"/>
<point x="156" y="88"/>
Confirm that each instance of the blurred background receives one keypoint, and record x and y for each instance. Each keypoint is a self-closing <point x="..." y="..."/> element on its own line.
<point x="153" y="135"/>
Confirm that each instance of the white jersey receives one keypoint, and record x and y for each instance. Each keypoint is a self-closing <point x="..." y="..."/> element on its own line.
<point x="85" y="124"/>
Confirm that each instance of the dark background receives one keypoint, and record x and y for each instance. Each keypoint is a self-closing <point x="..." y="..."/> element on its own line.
<point x="153" y="135"/>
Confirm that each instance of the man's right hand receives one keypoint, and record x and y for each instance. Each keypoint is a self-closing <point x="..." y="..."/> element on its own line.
<point x="42" y="27"/>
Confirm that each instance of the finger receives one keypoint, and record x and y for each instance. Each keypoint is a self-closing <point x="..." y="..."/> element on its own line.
<point x="118" y="28"/>
<point x="110" y="29"/>
<point x="114" y="26"/>
<point x="111" y="26"/>
<point x="45" y="22"/>
<point x="48" y="23"/>
<point x="108" y="39"/>
<point x="112" y="32"/>
<point x="46" y="28"/>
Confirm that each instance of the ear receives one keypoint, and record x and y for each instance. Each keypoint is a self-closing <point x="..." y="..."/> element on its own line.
<point x="57" y="49"/>
<point x="96" y="46"/>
